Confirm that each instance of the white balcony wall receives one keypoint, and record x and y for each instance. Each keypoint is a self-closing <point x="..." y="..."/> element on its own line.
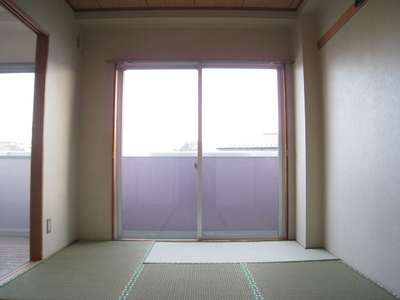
<point x="241" y="193"/>
<point x="14" y="195"/>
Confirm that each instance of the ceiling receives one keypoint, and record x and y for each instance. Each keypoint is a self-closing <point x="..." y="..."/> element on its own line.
<point x="106" y="14"/>
<point x="126" y="5"/>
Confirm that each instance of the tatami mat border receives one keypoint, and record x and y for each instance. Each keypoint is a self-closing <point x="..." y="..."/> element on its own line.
<point x="258" y="295"/>
<point x="128" y="287"/>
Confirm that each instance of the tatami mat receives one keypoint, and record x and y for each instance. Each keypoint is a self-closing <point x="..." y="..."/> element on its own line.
<point x="233" y="252"/>
<point x="190" y="282"/>
<point x="116" y="270"/>
<point x="314" y="280"/>
<point x="85" y="270"/>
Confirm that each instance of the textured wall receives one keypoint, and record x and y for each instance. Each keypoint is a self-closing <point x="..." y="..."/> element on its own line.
<point x="360" y="67"/>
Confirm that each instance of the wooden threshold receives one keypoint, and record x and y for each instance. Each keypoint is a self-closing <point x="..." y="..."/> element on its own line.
<point x="17" y="272"/>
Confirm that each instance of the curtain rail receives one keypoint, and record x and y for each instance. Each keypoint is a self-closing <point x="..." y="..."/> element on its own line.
<point x="196" y="62"/>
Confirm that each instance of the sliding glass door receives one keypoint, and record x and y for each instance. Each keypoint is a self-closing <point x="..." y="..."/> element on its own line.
<point x="159" y="149"/>
<point x="16" y="112"/>
<point x="240" y="153"/>
<point x="199" y="152"/>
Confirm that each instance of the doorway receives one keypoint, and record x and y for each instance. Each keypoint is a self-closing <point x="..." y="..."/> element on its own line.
<point x="16" y="106"/>
<point x="199" y="151"/>
<point x="39" y="58"/>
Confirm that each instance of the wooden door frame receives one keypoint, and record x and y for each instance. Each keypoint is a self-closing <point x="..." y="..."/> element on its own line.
<point x="36" y="192"/>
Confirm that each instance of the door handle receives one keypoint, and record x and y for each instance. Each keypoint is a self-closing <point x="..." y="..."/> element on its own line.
<point x="196" y="165"/>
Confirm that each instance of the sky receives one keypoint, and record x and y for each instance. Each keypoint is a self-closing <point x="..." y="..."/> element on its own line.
<point x="160" y="108"/>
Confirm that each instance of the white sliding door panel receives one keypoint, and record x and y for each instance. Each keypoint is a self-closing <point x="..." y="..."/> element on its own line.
<point x="159" y="148"/>
<point x="240" y="153"/>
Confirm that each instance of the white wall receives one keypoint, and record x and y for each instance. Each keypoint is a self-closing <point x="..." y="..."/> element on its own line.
<point x="61" y="112"/>
<point x="308" y="134"/>
<point x="300" y="136"/>
<point x="360" y="73"/>
<point x="17" y="46"/>
<point x="98" y="92"/>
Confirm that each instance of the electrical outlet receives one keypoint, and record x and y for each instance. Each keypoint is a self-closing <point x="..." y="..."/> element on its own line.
<point x="48" y="225"/>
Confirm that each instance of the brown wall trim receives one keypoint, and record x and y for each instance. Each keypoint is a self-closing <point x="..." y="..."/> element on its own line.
<point x="36" y="201"/>
<point x="23" y="17"/>
<point x="339" y="24"/>
<point x="36" y="221"/>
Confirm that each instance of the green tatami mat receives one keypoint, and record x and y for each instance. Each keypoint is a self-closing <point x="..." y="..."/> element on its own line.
<point x="191" y="281"/>
<point x="115" y="270"/>
<point x="314" y="280"/>
<point x="84" y="270"/>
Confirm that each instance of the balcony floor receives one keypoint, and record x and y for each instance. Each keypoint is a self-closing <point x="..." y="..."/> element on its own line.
<point x="14" y="252"/>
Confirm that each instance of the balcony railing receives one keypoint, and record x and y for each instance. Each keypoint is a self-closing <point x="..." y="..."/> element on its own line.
<point x="14" y="193"/>
<point x="240" y="193"/>
<point x="159" y="192"/>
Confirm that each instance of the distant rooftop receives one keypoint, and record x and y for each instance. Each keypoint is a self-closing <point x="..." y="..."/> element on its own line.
<point x="7" y="146"/>
<point x="264" y="142"/>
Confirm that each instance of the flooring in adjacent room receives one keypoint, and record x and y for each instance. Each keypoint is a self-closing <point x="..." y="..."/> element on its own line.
<point x="120" y="270"/>
<point x="14" y="253"/>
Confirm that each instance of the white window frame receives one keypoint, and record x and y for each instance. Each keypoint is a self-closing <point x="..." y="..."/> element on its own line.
<point x="121" y="66"/>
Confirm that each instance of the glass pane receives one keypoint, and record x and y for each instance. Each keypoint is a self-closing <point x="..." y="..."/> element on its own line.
<point x="159" y="150"/>
<point x="16" y="107"/>
<point x="240" y="163"/>
<point x="16" y="110"/>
